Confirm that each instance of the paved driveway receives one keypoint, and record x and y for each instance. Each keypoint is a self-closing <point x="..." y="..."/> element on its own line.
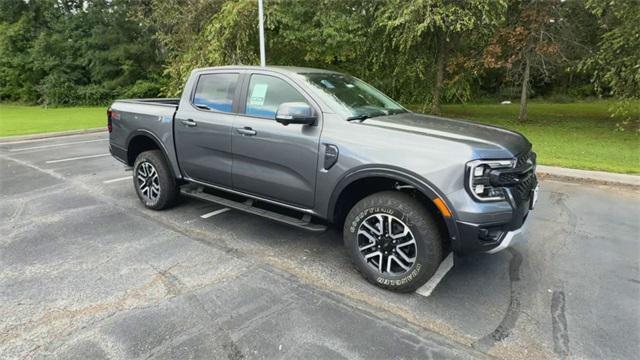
<point x="87" y="272"/>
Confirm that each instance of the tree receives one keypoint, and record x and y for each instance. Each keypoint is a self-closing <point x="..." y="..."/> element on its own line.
<point x="435" y="27"/>
<point x="74" y="52"/>
<point x="526" y="42"/>
<point x="615" y="64"/>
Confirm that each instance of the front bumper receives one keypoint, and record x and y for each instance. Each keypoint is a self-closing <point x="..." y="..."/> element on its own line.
<point x="493" y="231"/>
<point x="510" y="238"/>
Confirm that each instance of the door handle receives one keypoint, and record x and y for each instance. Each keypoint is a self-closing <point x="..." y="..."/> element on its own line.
<point x="189" y="123"/>
<point x="246" y="131"/>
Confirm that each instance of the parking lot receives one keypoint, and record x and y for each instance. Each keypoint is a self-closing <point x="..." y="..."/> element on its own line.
<point x="88" y="272"/>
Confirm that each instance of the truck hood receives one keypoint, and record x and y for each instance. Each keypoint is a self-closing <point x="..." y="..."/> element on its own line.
<point x="487" y="141"/>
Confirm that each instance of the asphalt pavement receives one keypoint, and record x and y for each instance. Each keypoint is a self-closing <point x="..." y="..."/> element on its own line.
<point x="88" y="272"/>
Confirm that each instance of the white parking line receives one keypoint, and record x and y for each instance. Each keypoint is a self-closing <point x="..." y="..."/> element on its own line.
<point x="446" y="265"/>
<point x="76" y="158"/>
<point x="116" y="180"/>
<point x="55" y="145"/>
<point x="214" y="213"/>
<point x="47" y="138"/>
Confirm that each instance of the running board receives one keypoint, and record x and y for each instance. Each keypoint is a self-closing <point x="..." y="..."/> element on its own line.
<point x="248" y="207"/>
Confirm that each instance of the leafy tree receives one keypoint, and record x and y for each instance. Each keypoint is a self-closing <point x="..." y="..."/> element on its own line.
<point x="420" y="52"/>
<point x="174" y="23"/>
<point x="72" y="52"/>
<point x="615" y="64"/>
<point x="435" y="26"/>
<point x="528" y="41"/>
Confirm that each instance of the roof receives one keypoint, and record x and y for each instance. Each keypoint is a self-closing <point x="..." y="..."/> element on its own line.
<point x="280" y="69"/>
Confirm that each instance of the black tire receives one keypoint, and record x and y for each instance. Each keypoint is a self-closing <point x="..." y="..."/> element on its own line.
<point x="408" y="212"/>
<point x="168" y="189"/>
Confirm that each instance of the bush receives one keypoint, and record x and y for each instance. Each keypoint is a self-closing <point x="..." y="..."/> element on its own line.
<point x="582" y="91"/>
<point x="57" y="89"/>
<point x="93" y="95"/>
<point x="143" y="89"/>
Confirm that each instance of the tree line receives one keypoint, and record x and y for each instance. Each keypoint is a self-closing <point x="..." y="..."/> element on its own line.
<point x="421" y="52"/>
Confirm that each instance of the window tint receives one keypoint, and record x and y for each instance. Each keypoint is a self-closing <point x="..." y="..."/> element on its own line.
<point x="266" y="93"/>
<point x="215" y="91"/>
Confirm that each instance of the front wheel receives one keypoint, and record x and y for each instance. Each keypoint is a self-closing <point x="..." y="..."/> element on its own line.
<point x="155" y="185"/>
<point x="394" y="240"/>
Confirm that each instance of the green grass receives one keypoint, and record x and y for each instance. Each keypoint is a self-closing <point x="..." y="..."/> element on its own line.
<point x="23" y="120"/>
<point x="574" y="135"/>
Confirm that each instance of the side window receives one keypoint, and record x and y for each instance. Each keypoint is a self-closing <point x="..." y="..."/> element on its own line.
<point x="266" y="93"/>
<point x="215" y="91"/>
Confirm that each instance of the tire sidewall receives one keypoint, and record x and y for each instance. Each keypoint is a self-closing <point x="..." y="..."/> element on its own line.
<point x="427" y="242"/>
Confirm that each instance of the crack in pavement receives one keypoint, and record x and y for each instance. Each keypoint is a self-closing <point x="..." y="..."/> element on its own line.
<point x="512" y="314"/>
<point x="559" y="324"/>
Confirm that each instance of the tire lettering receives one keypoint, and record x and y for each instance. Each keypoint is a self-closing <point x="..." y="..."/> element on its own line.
<point x="402" y="281"/>
<point x="367" y="212"/>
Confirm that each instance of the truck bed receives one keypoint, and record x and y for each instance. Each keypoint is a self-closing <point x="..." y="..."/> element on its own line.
<point x="148" y="117"/>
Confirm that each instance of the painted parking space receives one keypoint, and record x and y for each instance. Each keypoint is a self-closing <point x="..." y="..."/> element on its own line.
<point x="54" y="145"/>
<point x="79" y="240"/>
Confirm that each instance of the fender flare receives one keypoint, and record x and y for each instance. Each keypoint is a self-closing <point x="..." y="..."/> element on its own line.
<point x="154" y="138"/>
<point x="399" y="174"/>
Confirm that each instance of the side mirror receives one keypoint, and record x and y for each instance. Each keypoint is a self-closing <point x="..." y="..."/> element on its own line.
<point x="295" y="113"/>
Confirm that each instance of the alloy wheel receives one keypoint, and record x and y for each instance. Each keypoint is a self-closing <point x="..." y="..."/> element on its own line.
<point x="148" y="181"/>
<point x="387" y="244"/>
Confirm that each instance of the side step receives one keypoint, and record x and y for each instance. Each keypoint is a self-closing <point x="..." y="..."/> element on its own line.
<point x="248" y="206"/>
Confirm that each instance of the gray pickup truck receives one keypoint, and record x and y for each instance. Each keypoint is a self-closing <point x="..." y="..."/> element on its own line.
<point x="313" y="148"/>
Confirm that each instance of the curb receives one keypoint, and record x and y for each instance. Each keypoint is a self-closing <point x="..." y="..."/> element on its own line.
<point x="9" y="139"/>
<point x="543" y="171"/>
<point x="586" y="176"/>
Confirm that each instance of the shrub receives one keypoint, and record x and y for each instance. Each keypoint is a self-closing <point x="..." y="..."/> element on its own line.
<point x="93" y="95"/>
<point x="57" y="89"/>
<point x="143" y="89"/>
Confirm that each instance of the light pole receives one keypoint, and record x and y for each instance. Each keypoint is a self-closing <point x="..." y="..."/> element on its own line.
<point x="263" y="61"/>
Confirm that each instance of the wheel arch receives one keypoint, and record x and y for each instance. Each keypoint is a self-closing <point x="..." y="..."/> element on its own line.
<point x="340" y="204"/>
<point x="144" y="140"/>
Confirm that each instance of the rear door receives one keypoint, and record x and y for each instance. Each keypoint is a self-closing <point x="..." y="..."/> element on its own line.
<point x="269" y="159"/>
<point x="203" y="128"/>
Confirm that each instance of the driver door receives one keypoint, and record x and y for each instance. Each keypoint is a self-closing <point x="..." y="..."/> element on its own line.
<point x="269" y="159"/>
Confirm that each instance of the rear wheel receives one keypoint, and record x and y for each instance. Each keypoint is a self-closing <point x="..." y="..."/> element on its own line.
<point x="394" y="240"/>
<point x="155" y="185"/>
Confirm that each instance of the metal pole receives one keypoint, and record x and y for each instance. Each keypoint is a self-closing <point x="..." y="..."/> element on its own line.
<point x="263" y="61"/>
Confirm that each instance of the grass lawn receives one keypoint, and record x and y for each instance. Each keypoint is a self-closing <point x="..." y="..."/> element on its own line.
<point x="574" y="135"/>
<point x="23" y="120"/>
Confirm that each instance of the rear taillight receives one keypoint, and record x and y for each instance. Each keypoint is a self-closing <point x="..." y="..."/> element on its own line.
<point x="109" y="113"/>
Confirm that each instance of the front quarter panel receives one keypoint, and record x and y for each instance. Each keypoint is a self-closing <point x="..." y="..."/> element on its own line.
<point x="437" y="162"/>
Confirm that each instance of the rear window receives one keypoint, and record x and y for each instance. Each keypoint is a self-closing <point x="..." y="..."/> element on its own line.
<point x="215" y="92"/>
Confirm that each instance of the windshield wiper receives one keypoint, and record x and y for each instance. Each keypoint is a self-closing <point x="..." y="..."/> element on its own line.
<point x="362" y="117"/>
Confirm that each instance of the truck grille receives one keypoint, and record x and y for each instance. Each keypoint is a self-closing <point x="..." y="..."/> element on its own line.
<point x="521" y="160"/>
<point x="522" y="191"/>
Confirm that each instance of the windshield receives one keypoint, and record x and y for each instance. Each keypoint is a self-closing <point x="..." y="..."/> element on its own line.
<point x="359" y="98"/>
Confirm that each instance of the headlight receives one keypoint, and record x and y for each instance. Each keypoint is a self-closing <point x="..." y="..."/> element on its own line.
<point x="478" y="179"/>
